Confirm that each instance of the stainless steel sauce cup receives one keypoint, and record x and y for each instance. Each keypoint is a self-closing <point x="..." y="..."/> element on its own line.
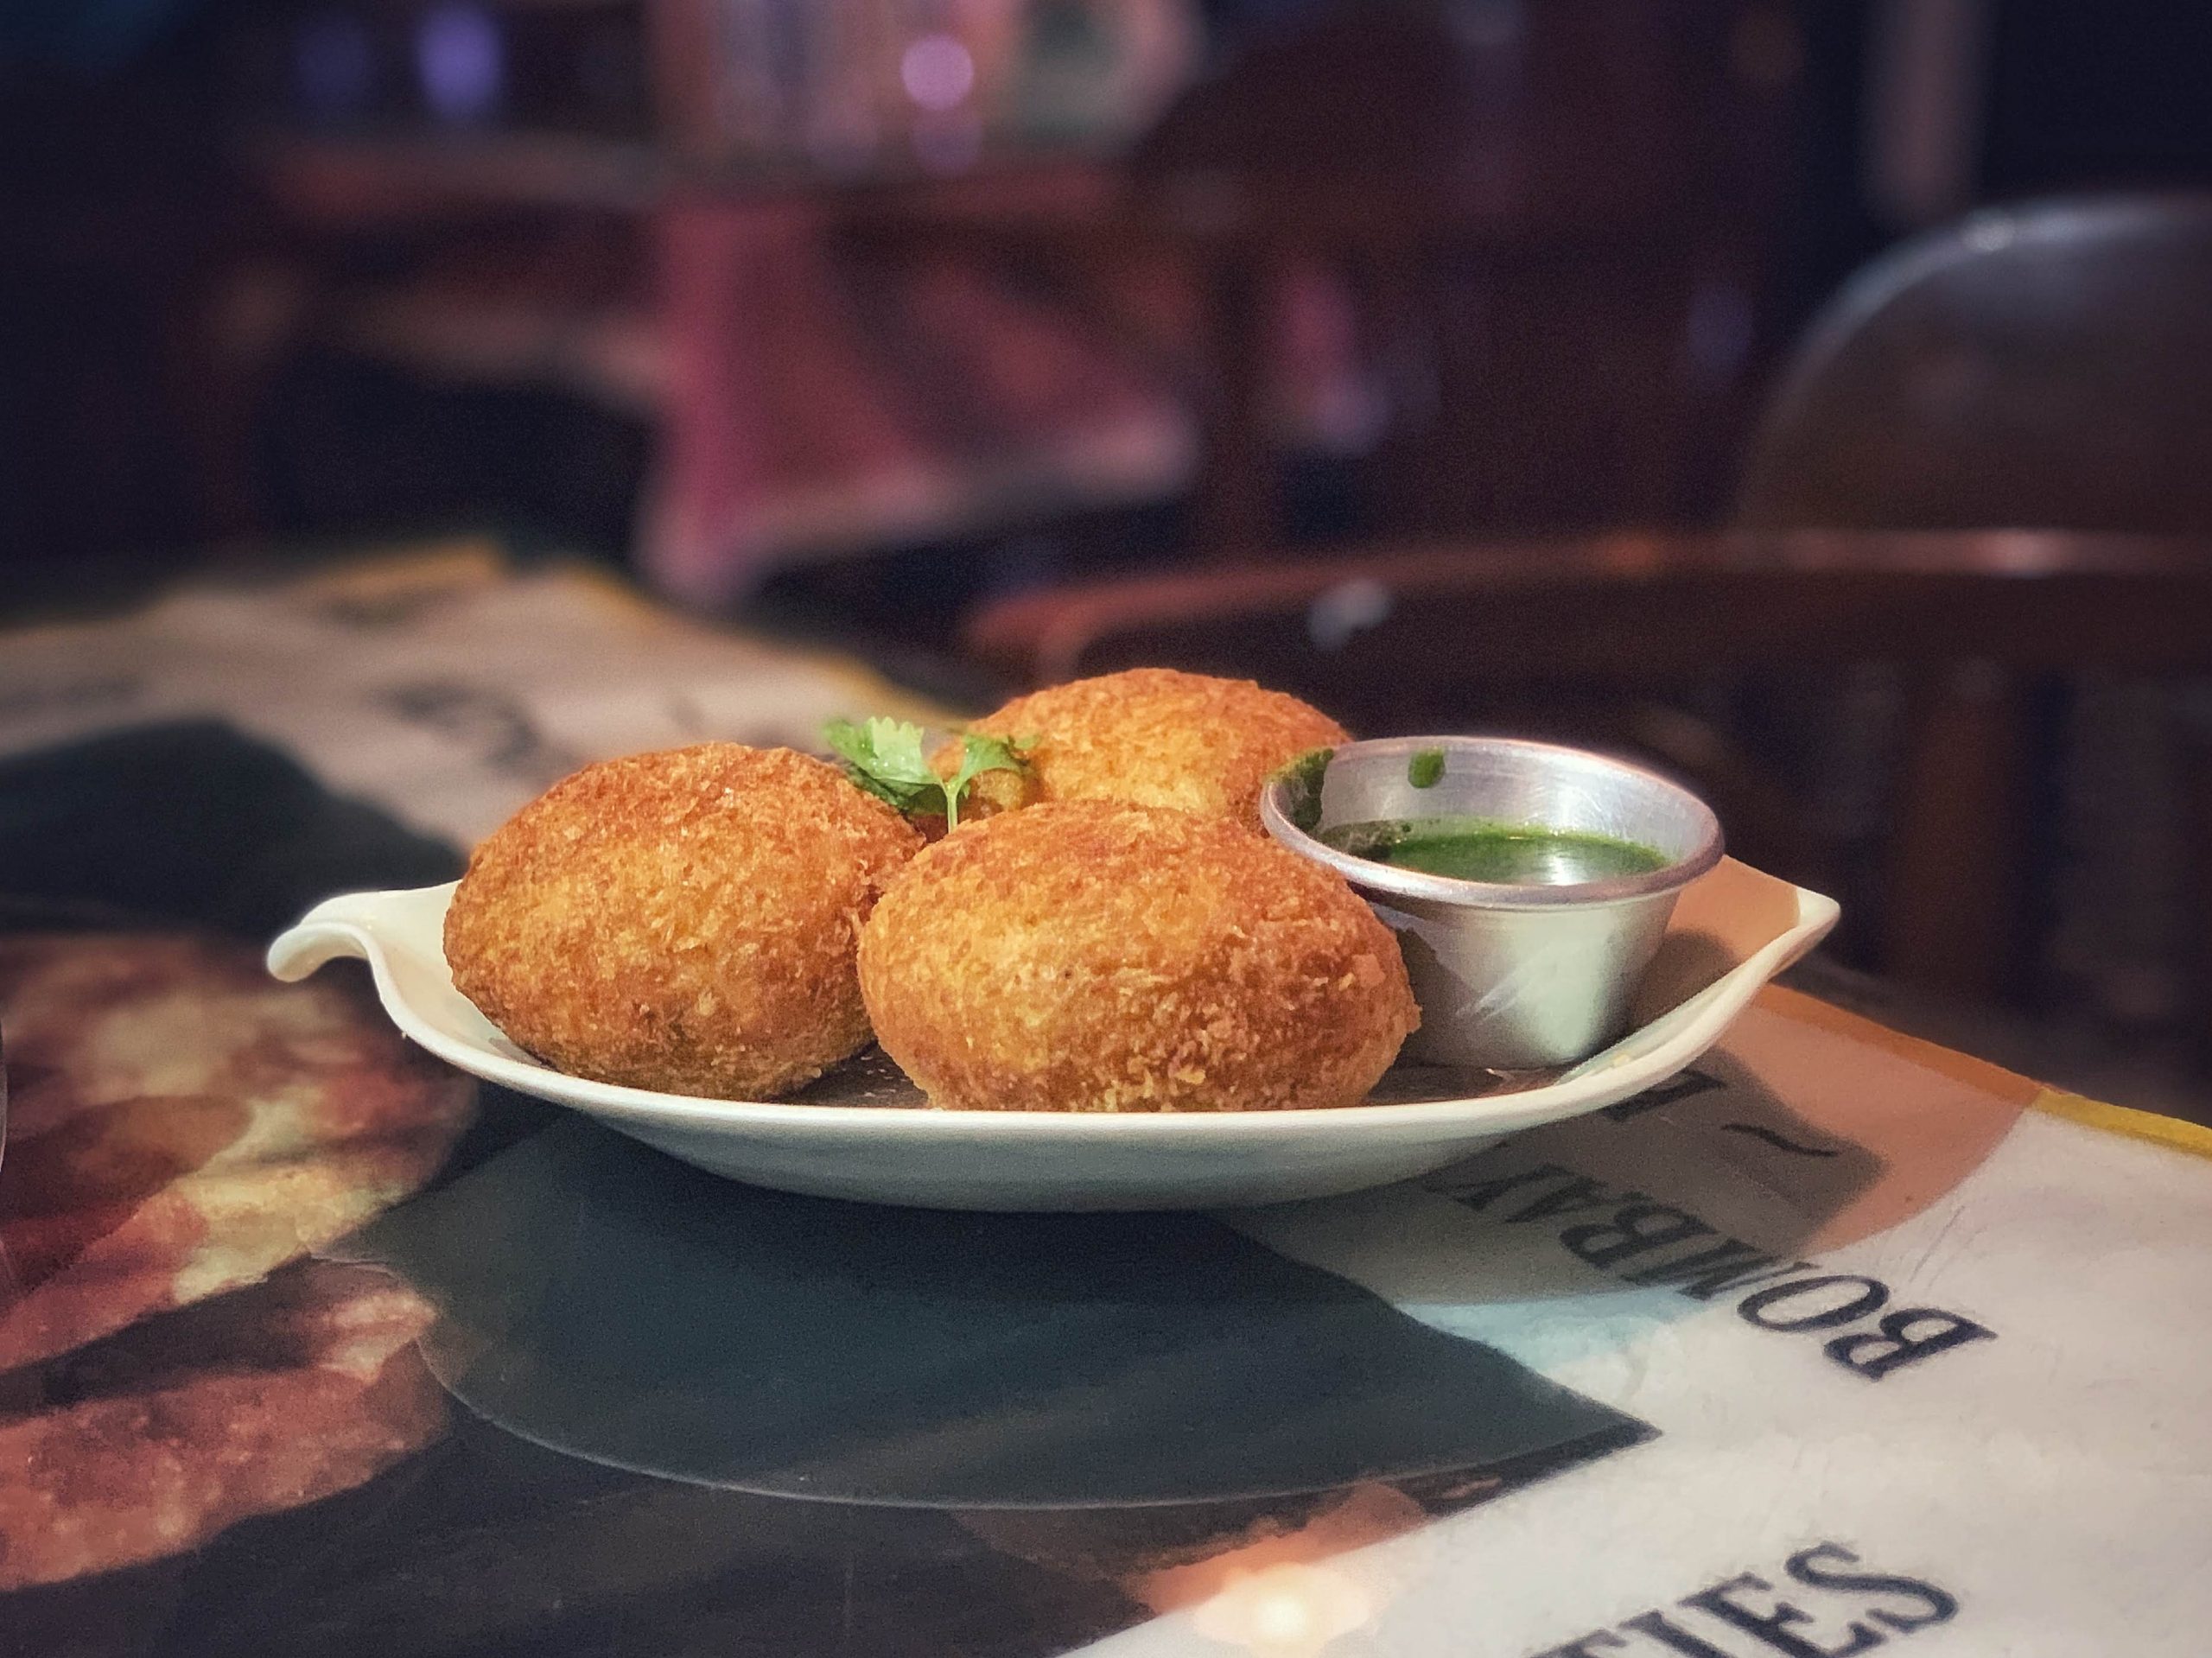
<point x="1510" y="976"/>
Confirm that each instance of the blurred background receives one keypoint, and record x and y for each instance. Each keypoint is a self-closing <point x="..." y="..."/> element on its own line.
<point x="725" y="291"/>
<point x="991" y="340"/>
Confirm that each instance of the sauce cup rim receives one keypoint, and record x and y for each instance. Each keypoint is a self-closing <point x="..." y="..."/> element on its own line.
<point x="1390" y="880"/>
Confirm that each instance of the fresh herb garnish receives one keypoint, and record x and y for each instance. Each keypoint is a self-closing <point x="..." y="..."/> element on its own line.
<point x="884" y="756"/>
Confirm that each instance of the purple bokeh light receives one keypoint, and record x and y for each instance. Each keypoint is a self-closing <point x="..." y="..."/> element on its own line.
<point x="938" y="71"/>
<point x="461" y="62"/>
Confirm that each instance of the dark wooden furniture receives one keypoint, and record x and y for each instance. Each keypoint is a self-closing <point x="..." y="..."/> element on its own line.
<point x="1555" y="223"/>
<point x="2045" y="365"/>
<point x="1550" y="224"/>
<point x="1609" y="638"/>
<point x="1552" y="227"/>
<point x="614" y="252"/>
<point x="2042" y="365"/>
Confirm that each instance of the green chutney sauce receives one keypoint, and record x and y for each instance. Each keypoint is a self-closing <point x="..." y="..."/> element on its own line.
<point x="1471" y="848"/>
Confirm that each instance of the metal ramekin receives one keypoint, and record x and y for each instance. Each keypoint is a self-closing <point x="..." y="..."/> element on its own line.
<point x="1514" y="977"/>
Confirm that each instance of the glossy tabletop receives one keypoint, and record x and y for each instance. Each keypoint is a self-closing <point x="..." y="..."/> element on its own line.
<point x="308" y="1344"/>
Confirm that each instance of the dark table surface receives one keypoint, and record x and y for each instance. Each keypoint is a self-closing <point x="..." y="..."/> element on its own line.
<point x="307" y="1345"/>
<point x="654" y="1411"/>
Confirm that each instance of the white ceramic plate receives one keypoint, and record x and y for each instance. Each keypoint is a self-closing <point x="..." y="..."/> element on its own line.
<point x="863" y="1133"/>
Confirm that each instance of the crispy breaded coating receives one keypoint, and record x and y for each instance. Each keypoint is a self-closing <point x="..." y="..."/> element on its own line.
<point x="1154" y="737"/>
<point x="1090" y="956"/>
<point x="683" y="921"/>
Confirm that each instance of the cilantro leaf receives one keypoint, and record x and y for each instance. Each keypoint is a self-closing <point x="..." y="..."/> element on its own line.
<point x="978" y="755"/>
<point x="886" y="757"/>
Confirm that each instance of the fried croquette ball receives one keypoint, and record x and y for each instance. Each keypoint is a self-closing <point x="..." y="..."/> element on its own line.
<point x="1089" y="955"/>
<point x="683" y="921"/>
<point x="1154" y="737"/>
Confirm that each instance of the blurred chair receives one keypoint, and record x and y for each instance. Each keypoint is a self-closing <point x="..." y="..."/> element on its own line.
<point x="1538" y="238"/>
<point x="1910" y="383"/>
<point x="1554" y="223"/>
<point x="1600" y="641"/>
<point x="2046" y="366"/>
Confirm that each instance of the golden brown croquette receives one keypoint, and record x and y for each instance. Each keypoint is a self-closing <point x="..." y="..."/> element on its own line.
<point x="683" y="921"/>
<point x="1090" y="956"/>
<point x="1154" y="737"/>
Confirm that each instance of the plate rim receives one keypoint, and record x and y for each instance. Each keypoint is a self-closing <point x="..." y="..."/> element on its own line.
<point x="346" y="925"/>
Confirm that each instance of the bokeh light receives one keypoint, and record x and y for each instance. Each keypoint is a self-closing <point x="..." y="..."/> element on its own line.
<point x="461" y="61"/>
<point x="938" y="71"/>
